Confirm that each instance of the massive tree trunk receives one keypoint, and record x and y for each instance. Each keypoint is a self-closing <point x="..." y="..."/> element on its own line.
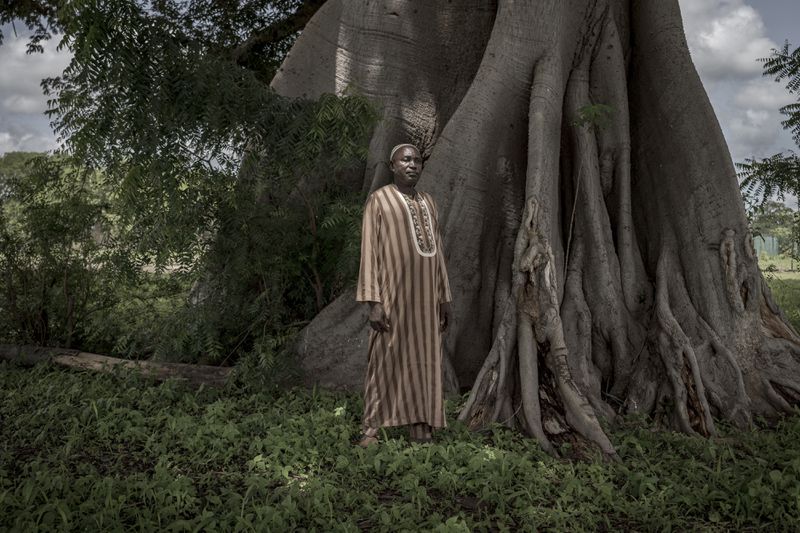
<point x="598" y="266"/>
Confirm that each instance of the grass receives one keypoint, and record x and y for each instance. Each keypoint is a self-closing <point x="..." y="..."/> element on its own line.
<point x="103" y="453"/>
<point x="786" y="291"/>
<point x="783" y="277"/>
<point x="88" y="452"/>
<point x="782" y="266"/>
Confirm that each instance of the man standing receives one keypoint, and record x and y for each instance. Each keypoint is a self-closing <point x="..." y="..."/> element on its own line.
<point x="403" y="278"/>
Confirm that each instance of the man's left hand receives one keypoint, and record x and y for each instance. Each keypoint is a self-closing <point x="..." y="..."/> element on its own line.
<point x="444" y="316"/>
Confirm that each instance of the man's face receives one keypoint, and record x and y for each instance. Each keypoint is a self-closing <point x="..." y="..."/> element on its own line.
<point x="406" y="166"/>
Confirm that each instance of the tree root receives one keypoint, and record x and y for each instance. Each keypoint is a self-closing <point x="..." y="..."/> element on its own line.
<point x="577" y="320"/>
<point x="540" y="322"/>
<point x="529" y="385"/>
<point x="680" y="362"/>
<point x="606" y="294"/>
<point x="608" y="325"/>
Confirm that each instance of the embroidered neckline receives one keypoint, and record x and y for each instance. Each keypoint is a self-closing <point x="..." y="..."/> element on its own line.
<point x="414" y="223"/>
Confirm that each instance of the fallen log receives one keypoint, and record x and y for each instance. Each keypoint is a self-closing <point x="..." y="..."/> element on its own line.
<point x="212" y="376"/>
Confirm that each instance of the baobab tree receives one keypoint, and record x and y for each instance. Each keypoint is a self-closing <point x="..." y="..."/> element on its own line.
<point x="599" y="254"/>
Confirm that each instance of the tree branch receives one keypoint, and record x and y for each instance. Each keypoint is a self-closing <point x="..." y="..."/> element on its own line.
<point x="27" y="9"/>
<point x="276" y="32"/>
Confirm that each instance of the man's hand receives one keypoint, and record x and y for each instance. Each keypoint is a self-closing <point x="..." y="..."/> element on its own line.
<point x="444" y="316"/>
<point x="377" y="317"/>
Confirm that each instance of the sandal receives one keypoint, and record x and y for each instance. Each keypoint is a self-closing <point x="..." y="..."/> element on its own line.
<point x="365" y="440"/>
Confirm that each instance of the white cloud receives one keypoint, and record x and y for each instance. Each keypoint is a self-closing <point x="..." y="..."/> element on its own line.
<point x="763" y="93"/>
<point x="25" y="142"/>
<point x="726" y="42"/>
<point x="753" y="132"/>
<point x="23" y="125"/>
<point x="726" y="39"/>
<point x="752" y="120"/>
<point x="21" y="74"/>
<point x="18" y="103"/>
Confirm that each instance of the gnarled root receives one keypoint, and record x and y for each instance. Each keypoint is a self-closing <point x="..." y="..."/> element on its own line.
<point x="680" y="362"/>
<point x="540" y="320"/>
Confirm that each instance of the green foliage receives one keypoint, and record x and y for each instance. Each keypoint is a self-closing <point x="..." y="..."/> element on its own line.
<point x="784" y="64"/>
<point x="222" y="27"/>
<point x="158" y="97"/>
<point x="152" y="92"/>
<point x="39" y="16"/>
<point x="270" y="246"/>
<point x="89" y="452"/>
<point x="285" y="240"/>
<point x="599" y="115"/>
<point x="136" y="325"/>
<point x="774" y="176"/>
<point x="233" y="209"/>
<point x="69" y="275"/>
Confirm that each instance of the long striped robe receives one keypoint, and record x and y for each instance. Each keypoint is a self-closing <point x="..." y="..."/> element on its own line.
<point x="402" y="266"/>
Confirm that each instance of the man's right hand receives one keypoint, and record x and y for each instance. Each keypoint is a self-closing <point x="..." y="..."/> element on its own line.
<point x="377" y="317"/>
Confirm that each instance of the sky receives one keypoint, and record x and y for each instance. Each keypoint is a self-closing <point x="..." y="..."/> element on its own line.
<point x="726" y="37"/>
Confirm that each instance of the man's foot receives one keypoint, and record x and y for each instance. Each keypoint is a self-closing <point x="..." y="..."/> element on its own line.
<point x="365" y="440"/>
<point x="420" y="432"/>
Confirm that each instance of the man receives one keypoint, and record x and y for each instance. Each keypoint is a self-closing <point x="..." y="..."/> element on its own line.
<point x="404" y="280"/>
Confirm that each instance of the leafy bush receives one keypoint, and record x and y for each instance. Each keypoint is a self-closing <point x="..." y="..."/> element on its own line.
<point x="57" y="266"/>
<point x="280" y="243"/>
<point x="217" y="266"/>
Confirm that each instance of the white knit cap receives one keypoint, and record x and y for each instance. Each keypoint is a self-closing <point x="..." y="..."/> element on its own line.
<point x="396" y="148"/>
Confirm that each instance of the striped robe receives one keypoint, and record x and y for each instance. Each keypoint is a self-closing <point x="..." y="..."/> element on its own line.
<point x="402" y="266"/>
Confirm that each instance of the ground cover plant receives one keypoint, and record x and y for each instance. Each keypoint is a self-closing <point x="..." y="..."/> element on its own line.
<point x="115" y="452"/>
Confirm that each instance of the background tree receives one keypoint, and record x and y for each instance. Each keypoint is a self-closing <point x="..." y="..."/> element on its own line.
<point x="776" y="219"/>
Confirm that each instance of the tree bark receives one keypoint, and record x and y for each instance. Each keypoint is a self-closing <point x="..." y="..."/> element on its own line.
<point x="597" y="269"/>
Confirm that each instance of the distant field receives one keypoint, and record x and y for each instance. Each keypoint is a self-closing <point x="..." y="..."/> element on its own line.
<point x="786" y="291"/>
<point x="783" y="277"/>
<point x="781" y="266"/>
